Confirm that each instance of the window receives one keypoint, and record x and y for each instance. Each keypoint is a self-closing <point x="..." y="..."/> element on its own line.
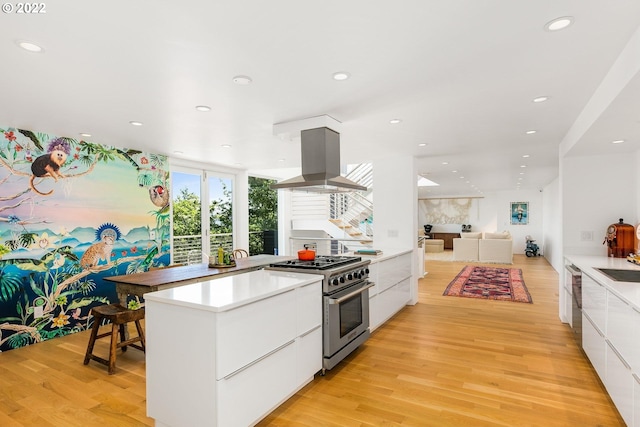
<point x="202" y="214"/>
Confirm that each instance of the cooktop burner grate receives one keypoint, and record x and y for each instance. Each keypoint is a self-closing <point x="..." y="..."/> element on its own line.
<point x="322" y="262"/>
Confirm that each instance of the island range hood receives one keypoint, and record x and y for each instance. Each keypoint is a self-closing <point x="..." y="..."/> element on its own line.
<point x="320" y="154"/>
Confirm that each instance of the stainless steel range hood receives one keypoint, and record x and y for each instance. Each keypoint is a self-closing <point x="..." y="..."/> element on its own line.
<point x="320" y="153"/>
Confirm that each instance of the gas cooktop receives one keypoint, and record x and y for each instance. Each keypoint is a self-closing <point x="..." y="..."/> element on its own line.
<point x="322" y="262"/>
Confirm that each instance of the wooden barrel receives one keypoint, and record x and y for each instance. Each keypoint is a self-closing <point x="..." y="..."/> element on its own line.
<point x="620" y="240"/>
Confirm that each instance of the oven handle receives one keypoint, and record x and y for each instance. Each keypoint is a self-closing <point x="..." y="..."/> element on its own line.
<point x="351" y="294"/>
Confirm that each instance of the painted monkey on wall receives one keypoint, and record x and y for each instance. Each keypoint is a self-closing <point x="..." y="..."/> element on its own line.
<point x="49" y="164"/>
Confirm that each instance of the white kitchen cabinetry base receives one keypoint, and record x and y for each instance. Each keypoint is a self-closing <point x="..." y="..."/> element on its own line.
<point x="392" y="290"/>
<point x="211" y="364"/>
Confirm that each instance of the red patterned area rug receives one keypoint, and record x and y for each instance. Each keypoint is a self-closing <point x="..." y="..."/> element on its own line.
<point x="489" y="283"/>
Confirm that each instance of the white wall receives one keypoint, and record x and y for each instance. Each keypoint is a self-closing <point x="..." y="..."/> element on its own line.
<point x="552" y="225"/>
<point x="596" y="192"/>
<point x="394" y="211"/>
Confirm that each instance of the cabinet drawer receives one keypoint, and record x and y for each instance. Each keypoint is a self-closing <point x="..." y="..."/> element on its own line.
<point x="309" y="354"/>
<point x="250" y="394"/>
<point x="594" y="344"/>
<point x="393" y="270"/>
<point x="594" y="302"/>
<point x="249" y="332"/>
<point x="390" y="301"/>
<point x="309" y="307"/>
<point x="619" y="383"/>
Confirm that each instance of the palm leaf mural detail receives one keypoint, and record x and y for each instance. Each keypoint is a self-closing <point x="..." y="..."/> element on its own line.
<point x="32" y="136"/>
<point x="9" y="285"/>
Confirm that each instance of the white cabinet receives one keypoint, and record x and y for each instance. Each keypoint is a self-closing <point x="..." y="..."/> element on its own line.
<point x="594" y="302"/>
<point x="593" y="344"/>
<point x="393" y="287"/>
<point x="619" y="383"/>
<point x="211" y="364"/>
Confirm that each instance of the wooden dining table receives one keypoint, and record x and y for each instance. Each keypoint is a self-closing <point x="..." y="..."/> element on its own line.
<point x="138" y="284"/>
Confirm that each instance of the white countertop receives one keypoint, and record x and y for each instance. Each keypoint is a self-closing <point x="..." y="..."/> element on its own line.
<point x="628" y="291"/>
<point x="226" y="293"/>
<point x="386" y="254"/>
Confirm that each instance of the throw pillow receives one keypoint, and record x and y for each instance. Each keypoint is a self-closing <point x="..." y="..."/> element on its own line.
<point x="476" y="235"/>
<point x="497" y="236"/>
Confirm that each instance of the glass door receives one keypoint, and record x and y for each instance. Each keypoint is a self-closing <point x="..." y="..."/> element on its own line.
<point x="202" y="213"/>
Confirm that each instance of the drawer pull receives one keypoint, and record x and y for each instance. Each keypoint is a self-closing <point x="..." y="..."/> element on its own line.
<point x="310" y="331"/>
<point x="245" y="367"/>
<point x="624" y="362"/>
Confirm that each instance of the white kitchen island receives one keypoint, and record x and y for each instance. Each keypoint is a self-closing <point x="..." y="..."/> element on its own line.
<point x="227" y="351"/>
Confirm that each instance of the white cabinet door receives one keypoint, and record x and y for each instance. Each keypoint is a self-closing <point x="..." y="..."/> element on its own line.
<point x="619" y="383"/>
<point x="594" y="302"/>
<point x="594" y="346"/>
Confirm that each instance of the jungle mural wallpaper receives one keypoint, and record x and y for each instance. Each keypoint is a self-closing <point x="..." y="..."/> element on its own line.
<point x="71" y="213"/>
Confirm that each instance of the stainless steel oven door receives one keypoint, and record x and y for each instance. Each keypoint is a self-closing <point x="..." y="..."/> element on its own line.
<point x="346" y="316"/>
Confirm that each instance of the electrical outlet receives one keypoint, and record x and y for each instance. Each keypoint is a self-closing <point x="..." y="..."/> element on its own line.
<point x="38" y="311"/>
<point x="586" y="236"/>
<point x="152" y="234"/>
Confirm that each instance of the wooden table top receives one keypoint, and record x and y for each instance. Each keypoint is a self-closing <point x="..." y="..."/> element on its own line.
<point x="183" y="273"/>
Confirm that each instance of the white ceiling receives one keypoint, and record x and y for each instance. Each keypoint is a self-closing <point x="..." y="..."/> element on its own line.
<point x="460" y="74"/>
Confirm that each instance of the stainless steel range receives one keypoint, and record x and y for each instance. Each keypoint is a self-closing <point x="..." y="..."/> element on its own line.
<point x="345" y="291"/>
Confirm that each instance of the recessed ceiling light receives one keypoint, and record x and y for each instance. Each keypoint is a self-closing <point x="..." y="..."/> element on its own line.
<point x="242" y="80"/>
<point x="526" y="156"/>
<point x="618" y="141"/>
<point x="462" y="177"/>
<point x="203" y="108"/>
<point x="559" y="23"/>
<point x="445" y="163"/>
<point x="178" y="152"/>
<point x="341" y="75"/>
<point x="31" y="47"/>
<point x="134" y="123"/>
<point x="523" y="166"/>
<point x="281" y="160"/>
<point x="225" y="146"/>
<point x="540" y="99"/>
<point x="86" y="135"/>
<point x="454" y="171"/>
<point x="521" y="173"/>
<point x="394" y="121"/>
<point x="531" y="132"/>
<point x="422" y="144"/>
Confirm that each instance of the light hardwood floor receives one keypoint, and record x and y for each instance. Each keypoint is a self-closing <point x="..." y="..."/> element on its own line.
<point x="446" y="361"/>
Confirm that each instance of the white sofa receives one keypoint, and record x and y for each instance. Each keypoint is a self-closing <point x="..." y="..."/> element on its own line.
<point x="490" y="248"/>
<point x="465" y="248"/>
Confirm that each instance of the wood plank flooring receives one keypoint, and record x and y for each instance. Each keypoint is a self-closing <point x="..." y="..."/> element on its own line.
<point x="446" y="361"/>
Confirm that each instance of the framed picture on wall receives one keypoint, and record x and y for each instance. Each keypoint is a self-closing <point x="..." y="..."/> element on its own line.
<point x="519" y="213"/>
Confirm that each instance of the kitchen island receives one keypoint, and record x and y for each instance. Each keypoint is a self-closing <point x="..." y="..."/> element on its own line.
<point x="227" y="351"/>
<point x="138" y="284"/>
<point x="610" y="330"/>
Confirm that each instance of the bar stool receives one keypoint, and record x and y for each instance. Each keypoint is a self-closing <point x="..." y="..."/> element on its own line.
<point x="119" y="316"/>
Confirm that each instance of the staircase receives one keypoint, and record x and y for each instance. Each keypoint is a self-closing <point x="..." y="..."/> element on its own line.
<point x="349" y="223"/>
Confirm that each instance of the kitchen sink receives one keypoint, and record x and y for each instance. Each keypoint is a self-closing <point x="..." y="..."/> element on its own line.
<point x="620" y="275"/>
